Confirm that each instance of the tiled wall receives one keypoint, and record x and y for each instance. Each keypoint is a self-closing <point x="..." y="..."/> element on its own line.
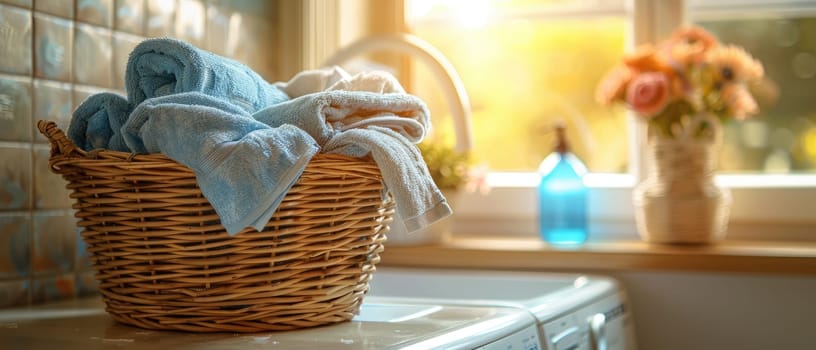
<point x="53" y="54"/>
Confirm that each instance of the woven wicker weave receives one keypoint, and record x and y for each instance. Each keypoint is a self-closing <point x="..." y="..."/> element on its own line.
<point x="164" y="261"/>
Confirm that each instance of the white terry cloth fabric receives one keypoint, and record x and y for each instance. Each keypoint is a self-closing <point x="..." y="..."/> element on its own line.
<point x="311" y="81"/>
<point x="336" y="78"/>
<point x="373" y="81"/>
<point x="322" y="114"/>
<point x="418" y="201"/>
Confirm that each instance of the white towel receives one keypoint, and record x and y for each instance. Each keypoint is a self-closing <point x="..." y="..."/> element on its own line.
<point x="336" y="78"/>
<point x="311" y="81"/>
<point x="418" y="201"/>
<point x="373" y="81"/>
<point x="322" y="114"/>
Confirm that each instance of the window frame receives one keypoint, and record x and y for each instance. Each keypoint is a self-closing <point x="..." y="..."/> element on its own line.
<point x="766" y="207"/>
<point x="510" y="208"/>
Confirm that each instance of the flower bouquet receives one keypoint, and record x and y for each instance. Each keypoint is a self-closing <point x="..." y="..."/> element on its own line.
<point x="689" y="74"/>
<point x="684" y="88"/>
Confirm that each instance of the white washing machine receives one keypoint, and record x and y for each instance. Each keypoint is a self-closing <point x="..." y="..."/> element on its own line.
<point x="573" y="311"/>
<point x="84" y="325"/>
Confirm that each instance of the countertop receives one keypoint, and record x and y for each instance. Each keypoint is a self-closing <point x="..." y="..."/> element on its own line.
<point x="479" y="252"/>
<point x="83" y="324"/>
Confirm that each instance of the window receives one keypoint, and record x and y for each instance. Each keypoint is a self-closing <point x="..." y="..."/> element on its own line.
<point x="527" y="63"/>
<point x="566" y="45"/>
<point x="782" y="139"/>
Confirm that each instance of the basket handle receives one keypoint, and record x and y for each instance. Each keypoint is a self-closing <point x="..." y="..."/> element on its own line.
<point x="60" y="144"/>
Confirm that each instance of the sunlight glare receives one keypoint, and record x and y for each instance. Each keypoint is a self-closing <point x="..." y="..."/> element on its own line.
<point x="420" y="8"/>
<point x="471" y="14"/>
<point x="467" y="13"/>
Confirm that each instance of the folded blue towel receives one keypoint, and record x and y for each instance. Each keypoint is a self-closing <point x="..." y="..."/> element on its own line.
<point x="164" y="66"/>
<point x="418" y="201"/>
<point x="385" y="126"/>
<point x="323" y="114"/>
<point x="97" y="120"/>
<point x="243" y="167"/>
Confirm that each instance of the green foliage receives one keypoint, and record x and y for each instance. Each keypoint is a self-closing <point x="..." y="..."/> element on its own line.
<point x="448" y="168"/>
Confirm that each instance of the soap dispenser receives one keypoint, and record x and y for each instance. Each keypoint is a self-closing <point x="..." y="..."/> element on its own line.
<point x="562" y="195"/>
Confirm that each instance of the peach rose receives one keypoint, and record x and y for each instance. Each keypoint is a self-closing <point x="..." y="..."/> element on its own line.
<point x="648" y="93"/>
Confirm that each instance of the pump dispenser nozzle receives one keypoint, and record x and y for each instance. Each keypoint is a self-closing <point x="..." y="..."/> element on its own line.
<point x="561" y="144"/>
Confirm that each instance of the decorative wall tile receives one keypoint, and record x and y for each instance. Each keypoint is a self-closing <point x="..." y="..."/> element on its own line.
<point x="21" y="3"/>
<point x="190" y="22"/>
<point x="130" y="16"/>
<point x="53" y="38"/>
<point x="49" y="188"/>
<point x="14" y="293"/>
<point x="98" y="12"/>
<point x="52" y="101"/>
<point x="15" y="178"/>
<point x="123" y="45"/>
<point x="15" y="109"/>
<point x="93" y="56"/>
<point x="15" y="40"/>
<point x="54" y="244"/>
<point x="160" y="18"/>
<point x="53" y="55"/>
<point x="53" y="288"/>
<point x="62" y="8"/>
<point x="15" y="245"/>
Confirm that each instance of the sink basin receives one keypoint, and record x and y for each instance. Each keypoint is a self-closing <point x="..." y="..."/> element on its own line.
<point x="543" y="294"/>
<point x="446" y="284"/>
<point x="372" y="312"/>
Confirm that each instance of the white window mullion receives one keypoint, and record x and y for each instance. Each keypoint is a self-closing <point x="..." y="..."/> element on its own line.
<point x="652" y="22"/>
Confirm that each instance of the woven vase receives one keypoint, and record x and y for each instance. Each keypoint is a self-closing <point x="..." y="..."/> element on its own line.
<point x="678" y="201"/>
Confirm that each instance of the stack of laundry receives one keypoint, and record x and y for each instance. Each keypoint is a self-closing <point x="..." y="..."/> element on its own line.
<point x="248" y="141"/>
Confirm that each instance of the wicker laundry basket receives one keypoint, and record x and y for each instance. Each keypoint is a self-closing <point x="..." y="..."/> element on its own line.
<point x="164" y="261"/>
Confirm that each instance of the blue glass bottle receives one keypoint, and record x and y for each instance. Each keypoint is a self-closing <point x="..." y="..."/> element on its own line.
<point x="562" y="196"/>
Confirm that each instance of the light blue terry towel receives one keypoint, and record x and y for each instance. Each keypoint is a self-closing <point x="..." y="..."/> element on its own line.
<point x="163" y="66"/>
<point x="385" y="126"/>
<point x="418" y="201"/>
<point x="243" y="167"/>
<point x="322" y="114"/>
<point x="97" y="120"/>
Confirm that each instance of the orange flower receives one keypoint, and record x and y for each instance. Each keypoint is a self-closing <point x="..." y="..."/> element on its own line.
<point x="613" y="86"/>
<point x="733" y="63"/>
<point x="693" y="35"/>
<point x="647" y="59"/>
<point x="739" y="101"/>
<point x="688" y="45"/>
<point x="684" y="54"/>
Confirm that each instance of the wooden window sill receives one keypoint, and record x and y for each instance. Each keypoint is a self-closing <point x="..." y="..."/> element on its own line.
<point x="533" y="254"/>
